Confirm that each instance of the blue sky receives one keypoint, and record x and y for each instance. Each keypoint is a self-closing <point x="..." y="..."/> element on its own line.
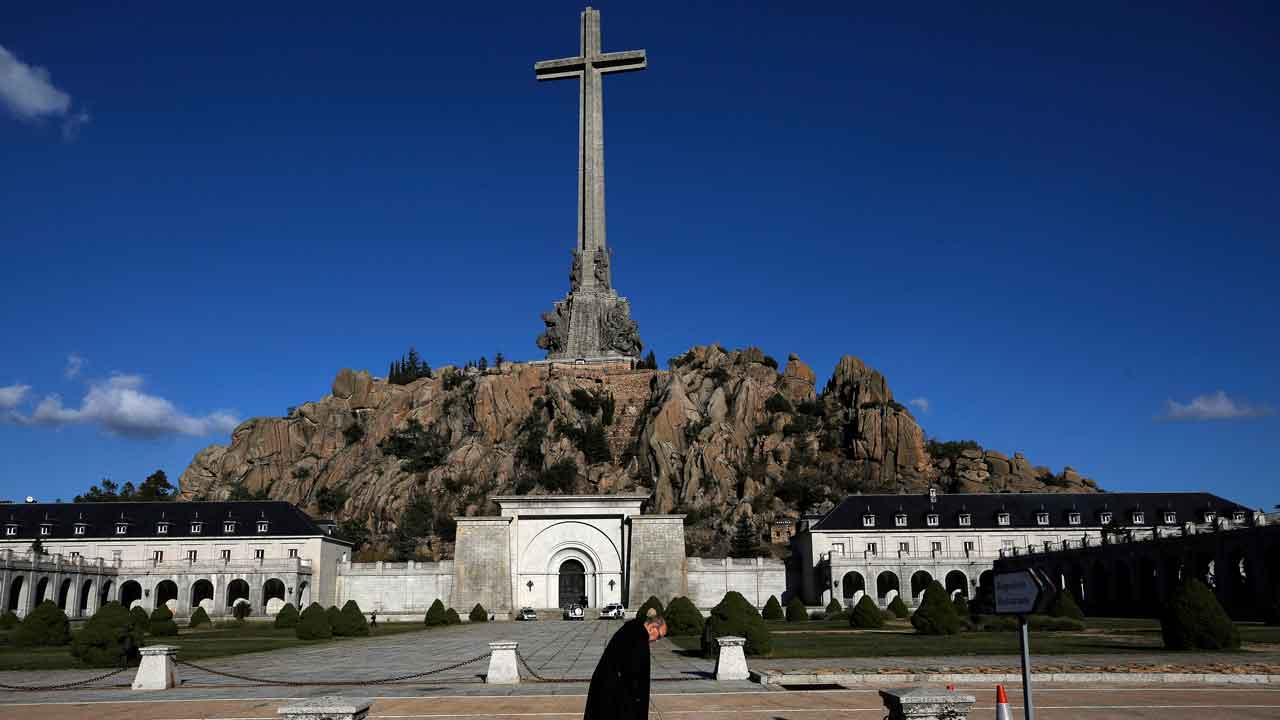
<point x="1056" y="225"/>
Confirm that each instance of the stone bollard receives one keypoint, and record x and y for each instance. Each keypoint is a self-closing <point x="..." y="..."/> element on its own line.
<point x="330" y="707"/>
<point x="502" y="664"/>
<point x="926" y="704"/>
<point x="157" y="671"/>
<point x="731" y="663"/>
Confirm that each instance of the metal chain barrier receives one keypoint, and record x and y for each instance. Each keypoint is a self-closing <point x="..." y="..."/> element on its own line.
<point x="542" y="678"/>
<point x="62" y="686"/>
<point x="306" y="683"/>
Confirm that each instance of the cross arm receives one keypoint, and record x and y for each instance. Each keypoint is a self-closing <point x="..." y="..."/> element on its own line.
<point x="625" y="61"/>
<point x="558" y="69"/>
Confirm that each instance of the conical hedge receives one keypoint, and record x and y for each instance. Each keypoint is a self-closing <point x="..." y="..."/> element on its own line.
<point x="287" y="617"/>
<point x="866" y="614"/>
<point x="200" y="617"/>
<point x="478" y="614"/>
<point x="897" y="607"/>
<point x="109" y="639"/>
<point x="141" y="619"/>
<point x="1193" y="620"/>
<point x="683" y="617"/>
<point x="796" y="611"/>
<point x="334" y="616"/>
<point x="936" y="614"/>
<point x="1064" y="605"/>
<point x="313" y="624"/>
<point x="162" y="624"/>
<point x="652" y="602"/>
<point x="452" y="617"/>
<point x="46" y="625"/>
<point x="735" y="616"/>
<point x="772" y="609"/>
<point x="436" y="615"/>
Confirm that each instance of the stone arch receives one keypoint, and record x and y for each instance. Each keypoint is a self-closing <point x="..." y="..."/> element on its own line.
<point x="86" y="592"/>
<point x="237" y="590"/>
<point x="104" y="594"/>
<point x="64" y="596"/>
<point x="273" y="589"/>
<point x="202" y="595"/>
<point x="957" y="584"/>
<point x="42" y="591"/>
<point x="887" y="587"/>
<point x="130" y="593"/>
<point x="920" y="580"/>
<point x="166" y="593"/>
<point x="986" y="580"/>
<point x="852" y="587"/>
<point x="15" y="592"/>
<point x="304" y="594"/>
<point x="572" y="582"/>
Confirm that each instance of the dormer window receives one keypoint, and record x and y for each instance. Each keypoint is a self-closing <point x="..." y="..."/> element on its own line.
<point x="46" y="529"/>
<point x="229" y="526"/>
<point x="966" y="519"/>
<point x="1170" y="517"/>
<point x="79" y="529"/>
<point x="1137" y="517"/>
<point x="162" y="528"/>
<point x="868" y="520"/>
<point x="1104" y="517"/>
<point x="1209" y="516"/>
<point x="262" y="526"/>
<point x="197" y="528"/>
<point x="1073" y="518"/>
<point x="1042" y="518"/>
<point x="1002" y="518"/>
<point x="10" y="530"/>
<point x="1237" y="517"/>
<point x="900" y="520"/>
<point x="931" y="519"/>
<point x="122" y="528"/>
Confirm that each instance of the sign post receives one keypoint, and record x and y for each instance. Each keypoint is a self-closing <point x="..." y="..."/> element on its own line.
<point x="1022" y="593"/>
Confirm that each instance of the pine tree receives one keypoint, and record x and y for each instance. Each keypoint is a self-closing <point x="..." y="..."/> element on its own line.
<point x="744" y="543"/>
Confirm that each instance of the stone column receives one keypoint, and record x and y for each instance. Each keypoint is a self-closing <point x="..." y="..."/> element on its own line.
<point x="731" y="663"/>
<point x="219" y="595"/>
<point x="157" y="670"/>
<point x="926" y="704"/>
<point x="326" y="708"/>
<point x="27" y="593"/>
<point x="502" y="664"/>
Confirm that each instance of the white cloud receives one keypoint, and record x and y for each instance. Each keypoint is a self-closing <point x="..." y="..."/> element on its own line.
<point x="28" y="93"/>
<point x="120" y="407"/>
<point x="921" y="403"/>
<point x="75" y="363"/>
<point x="1218" y="406"/>
<point x="12" y="395"/>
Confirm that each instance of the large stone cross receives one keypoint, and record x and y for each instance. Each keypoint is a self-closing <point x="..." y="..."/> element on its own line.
<point x="589" y="67"/>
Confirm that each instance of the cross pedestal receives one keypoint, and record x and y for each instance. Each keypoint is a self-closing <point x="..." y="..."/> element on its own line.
<point x="157" y="670"/>
<point x="502" y="664"/>
<point x="731" y="663"/>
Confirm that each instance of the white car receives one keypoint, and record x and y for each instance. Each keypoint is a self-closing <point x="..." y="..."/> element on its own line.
<point x="612" y="611"/>
<point x="574" y="612"/>
<point x="527" y="614"/>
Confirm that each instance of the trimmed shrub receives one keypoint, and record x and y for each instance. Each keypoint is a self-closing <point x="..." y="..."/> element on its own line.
<point x="683" y="617"/>
<point x="351" y="618"/>
<point x="9" y="620"/>
<point x="241" y="611"/>
<point x="735" y="616"/>
<point x="141" y="619"/>
<point x="796" y="611"/>
<point x="109" y="639"/>
<point x="162" y="624"/>
<point x="334" y="615"/>
<point x="200" y="617"/>
<point x="936" y="615"/>
<point x="313" y="624"/>
<point x="478" y="614"/>
<point x="898" y="608"/>
<point x="866" y="615"/>
<point x="962" y="605"/>
<point x="452" y="617"/>
<point x="1193" y="620"/>
<point x="652" y="602"/>
<point x="835" y="607"/>
<point x="772" y="609"/>
<point x="1064" y="605"/>
<point x="287" y="617"/>
<point x="46" y="625"/>
<point x="436" y="615"/>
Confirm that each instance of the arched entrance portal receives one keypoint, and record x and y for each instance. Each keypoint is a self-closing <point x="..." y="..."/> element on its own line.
<point x="852" y="588"/>
<point x="573" y="583"/>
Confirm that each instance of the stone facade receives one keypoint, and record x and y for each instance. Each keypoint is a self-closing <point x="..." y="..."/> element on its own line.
<point x="391" y="588"/>
<point x="482" y="563"/>
<point x="756" y="578"/>
<point x="657" y="558"/>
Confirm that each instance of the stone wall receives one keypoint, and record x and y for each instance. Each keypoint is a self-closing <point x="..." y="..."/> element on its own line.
<point x="657" y="561"/>
<point x="482" y="564"/>
<point x="756" y="578"/>
<point x="396" y="588"/>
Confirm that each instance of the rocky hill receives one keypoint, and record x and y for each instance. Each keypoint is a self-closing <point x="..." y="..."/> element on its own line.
<point x="720" y="435"/>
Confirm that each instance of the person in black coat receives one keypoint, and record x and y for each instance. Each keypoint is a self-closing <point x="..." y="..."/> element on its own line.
<point x="620" y="684"/>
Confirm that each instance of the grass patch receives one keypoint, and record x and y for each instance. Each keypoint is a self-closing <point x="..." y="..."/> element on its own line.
<point x="221" y="641"/>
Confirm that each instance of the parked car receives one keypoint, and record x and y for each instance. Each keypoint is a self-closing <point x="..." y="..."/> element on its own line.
<point x="527" y="614"/>
<point x="612" y="611"/>
<point x="574" y="612"/>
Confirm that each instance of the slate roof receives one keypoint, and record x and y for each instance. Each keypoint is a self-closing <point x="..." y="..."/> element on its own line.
<point x="143" y="518"/>
<point x="984" y="509"/>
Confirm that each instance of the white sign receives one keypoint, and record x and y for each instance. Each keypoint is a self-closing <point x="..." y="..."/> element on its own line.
<point x="1017" y="593"/>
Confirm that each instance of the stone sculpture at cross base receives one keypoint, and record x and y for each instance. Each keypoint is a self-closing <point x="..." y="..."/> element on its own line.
<point x="592" y="322"/>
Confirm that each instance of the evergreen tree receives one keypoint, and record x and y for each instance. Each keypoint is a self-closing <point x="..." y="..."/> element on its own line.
<point x="499" y="359"/>
<point x="478" y="613"/>
<point x="834" y="607"/>
<point x="483" y="364"/>
<point x="654" y="603"/>
<point x="1194" y="620"/>
<point x="109" y="639"/>
<point x="436" y="615"/>
<point x="46" y="625"/>
<point x="683" y="618"/>
<point x="334" y="616"/>
<point x="898" y="608"/>
<point x="866" y="615"/>
<point x="313" y="624"/>
<point x="141" y="619"/>
<point x="287" y="617"/>
<point x="936" y="614"/>
<point x="200" y="617"/>
<point x="1064" y="605"/>
<point x="155" y="487"/>
<point x="772" y="609"/>
<point x="162" y="624"/>
<point x="745" y="544"/>
<point x="352" y="621"/>
<point x="796" y="611"/>
<point x="650" y="362"/>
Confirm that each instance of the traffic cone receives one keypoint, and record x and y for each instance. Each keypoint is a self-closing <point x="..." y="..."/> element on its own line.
<point x="1002" y="705"/>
